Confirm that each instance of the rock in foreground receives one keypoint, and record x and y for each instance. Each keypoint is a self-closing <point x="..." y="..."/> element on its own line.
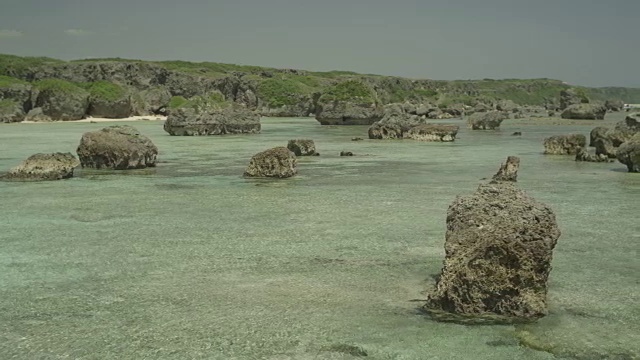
<point x="629" y="153"/>
<point x="212" y="121"/>
<point x="39" y="167"/>
<point x="278" y="162"/>
<point x="302" y="147"/>
<point x="564" y="144"/>
<point x="499" y="246"/>
<point x="116" y="147"/>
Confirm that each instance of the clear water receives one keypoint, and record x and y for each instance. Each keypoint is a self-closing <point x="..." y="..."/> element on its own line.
<point x="190" y="260"/>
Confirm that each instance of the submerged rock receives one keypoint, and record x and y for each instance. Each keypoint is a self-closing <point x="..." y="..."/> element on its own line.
<point x="116" y="147"/>
<point x="39" y="167"/>
<point x="629" y="153"/>
<point x="278" y="162"/>
<point x="490" y="120"/>
<point x="517" y="133"/>
<point x="498" y="247"/>
<point x="433" y="132"/>
<point x="564" y="144"/>
<point x="190" y="121"/>
<point x="302" y="147"/>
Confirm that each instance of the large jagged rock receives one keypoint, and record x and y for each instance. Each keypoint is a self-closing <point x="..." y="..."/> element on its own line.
<point x="155" y="100"/>
<point x="498" y="247"/>
<point x="629" y="153"/>
<point x="278" y="162"/>
<point x="11" y="111"/>
<point x="302" y="147"/>
<point x="614" y="104"/>
<point x="583" y="155"/>
<point x="593" y="111"/>
<point x="623" y="131"/>
<point x="564" y="144"/>
<point x="508" y="171"/>
<point x="433" y="132"/>
<point x="571" y="97"/>
<point x="596" y="133"/>
<point x="395" y="123"/>
<point x="490" y="120"/>
<point x="348" y="113"/>
<point x="189" y="121"/>
<point x="37" y="115"/>
<point x="40" y="166"/>
<point x="62" y="101"/>
<point x="116" y="147"/>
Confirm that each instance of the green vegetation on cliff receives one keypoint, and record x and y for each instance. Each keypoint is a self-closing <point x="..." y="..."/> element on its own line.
<point x="58" y="85"/>
<point x="6" y="81"/>
<point x="279" y="92"/>
<point x="7" y="104"/>
<point x="212" y="100"/>
<point x="19" y="66"/>
<point x="348" y="91"/>
<point x="106" y="90"/>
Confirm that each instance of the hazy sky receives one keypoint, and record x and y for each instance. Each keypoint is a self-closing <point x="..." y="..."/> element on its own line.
<point x="585" y="42"/>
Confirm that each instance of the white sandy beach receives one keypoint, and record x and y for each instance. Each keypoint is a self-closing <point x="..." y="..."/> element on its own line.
<point x="99" y="120"/>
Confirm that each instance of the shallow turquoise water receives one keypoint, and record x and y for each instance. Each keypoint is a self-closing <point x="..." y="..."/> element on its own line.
<point x="190" y="260"/>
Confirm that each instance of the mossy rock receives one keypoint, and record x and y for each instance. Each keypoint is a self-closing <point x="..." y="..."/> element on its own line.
<point x="280" y="92"/>
<point x="214" y="100"/>
<point x="109" y="100"/>
<point x="62" y="100"/>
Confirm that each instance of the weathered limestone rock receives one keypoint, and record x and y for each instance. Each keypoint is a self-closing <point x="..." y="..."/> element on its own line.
<point x="11" y="111"/>
<point x="585" y="112"/>
<point x="116" y="147"/>
<point x="614" y="104"/>
<point x="607" y="143"/>
<point x="597" y="132"/>
<point x="278" y="162"/>
<point x="38" y="167"/>
<point x="584" y="155"/>
<point x="499" y="246"/>
<point x="190" y="121"/>
<point x="36" y="115"/>
<point x="629" y="153"/>
<point x="490" y="120"/>
<point x="571" y="97"/>
<point x="395" y="123"/>
<point x="302" y="147"/>
<point x="433" y="132"/>
<point x="348" y="113"/>
<point x="508" y="171"/>
<point x="564" y="144"/>
<point x="62" y="101"/>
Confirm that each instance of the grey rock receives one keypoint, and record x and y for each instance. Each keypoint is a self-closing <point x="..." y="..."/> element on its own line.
<point x="614" y="104"/>
<point x="11" y="111"/>
<point x="506" y="105"/>
<point x="564" y="144"/>
<point x="629" y="153"/>
<point x="111" y="109"/>
<point x="37" y="115"/>
<point x="607" y="142"/>
<point x="346" y="153"/>
<point x="116" y="147"/>
<point x="395" y="123"/>
<point x="486" y="120"/>
<point x="508" y="171"/>
<point x="18" y="93"/>
<point x="212" y="121"/>
<point x="155" y="100"/>
<point x="348" y="113"/>
<point x="592" y="111"/>
<point x="60" y="104"/>
<point x="571" y="97"/>
<point x="584" y="155"/>
<point x="498" y="252"/>
<point x="277" y="162"/>
<point x="597" y="132"/>
<point x="40" y="167"/>
<point x="302" y="147"/>
<point x="433" y="132"/>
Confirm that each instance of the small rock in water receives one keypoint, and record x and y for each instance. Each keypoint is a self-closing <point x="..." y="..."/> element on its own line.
<point x="517" y="133"/>
<point x="278" y="162"/>
<point x="356" y="139"/>
<point x="346" y="153"/>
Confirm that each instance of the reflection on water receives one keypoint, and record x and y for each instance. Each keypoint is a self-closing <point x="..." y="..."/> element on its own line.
<point x="190" y="260"/>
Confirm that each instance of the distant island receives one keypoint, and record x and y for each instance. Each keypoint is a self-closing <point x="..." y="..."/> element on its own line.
<point x="41" y="89"/>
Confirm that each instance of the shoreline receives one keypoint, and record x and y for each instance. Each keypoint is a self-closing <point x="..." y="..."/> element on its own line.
<point x="100" y="120"/>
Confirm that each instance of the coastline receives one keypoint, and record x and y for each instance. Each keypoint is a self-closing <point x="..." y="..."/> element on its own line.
<point x="101" y="120"/>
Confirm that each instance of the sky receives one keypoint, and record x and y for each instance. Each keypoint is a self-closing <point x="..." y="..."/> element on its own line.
<point x="582" y="42"/>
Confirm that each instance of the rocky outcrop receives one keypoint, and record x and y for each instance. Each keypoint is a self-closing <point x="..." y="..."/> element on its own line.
<point x="302" y="147"/>
<point x="278" y="162"/>
<point x="155" y="100"/>
<point x="508" y="171"/>
<point x="498" y="250"/>
<point x="16" y="91"/>
<point x="614" y="105"/>
<point x="348" y="113"/>
<point x="583" y="155"/>
<point x="11" y="111"/>
<point x="189" y="121"/>
<point x="629" y="153"/>
<point x="490" y="120"/>
<point x="303" y="106"/>
<point x="597" y="132"/>
<point x="433" y="132"/>
<point x="62" y="101"/>
<point x="39" y="167"/>
<point x="116" y="147"/>
<point x="584" y="112"/>
<point x="507" y="106"/>
<point x="37" y="115"/>
<point x="607" y="142"/>
<point x="564" y="144"/>
<point x="395" y="123"/>
<point x="571" y="97"/>
<point x="111" y="108"/>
